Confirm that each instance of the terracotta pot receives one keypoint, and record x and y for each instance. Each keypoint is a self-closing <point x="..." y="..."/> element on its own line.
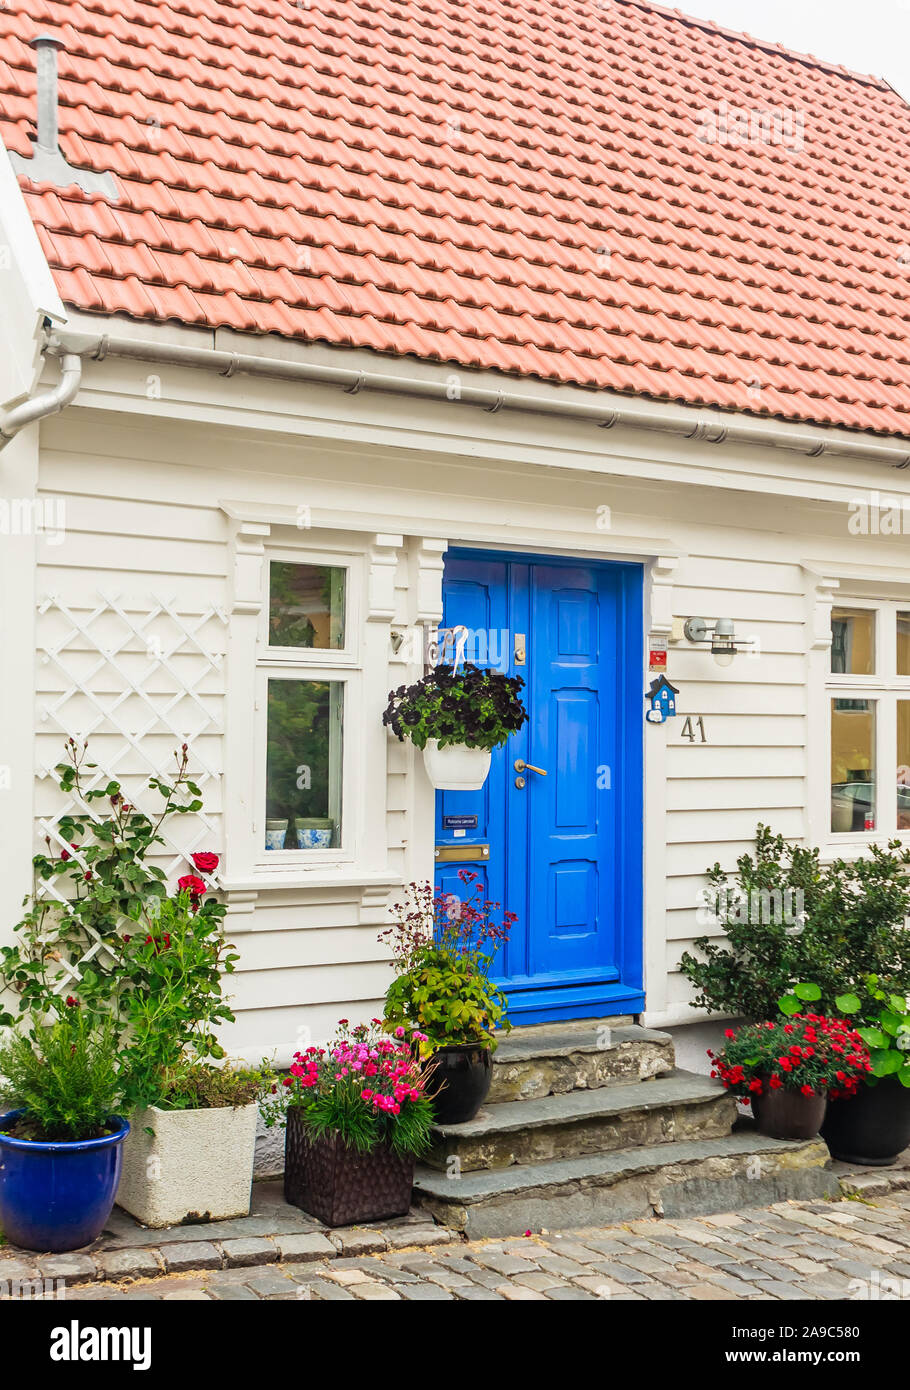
<point x="789" y="1114"/>
<point x="340" y="1186"/>
<point x="459" y="1081"/>
<point x="872" y="1127"/>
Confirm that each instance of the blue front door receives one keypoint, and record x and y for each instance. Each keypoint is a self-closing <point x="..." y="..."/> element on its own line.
<point x="560" y="847"/>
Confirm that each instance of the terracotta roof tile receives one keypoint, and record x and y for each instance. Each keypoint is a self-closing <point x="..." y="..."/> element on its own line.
<point x="530" y="191"/>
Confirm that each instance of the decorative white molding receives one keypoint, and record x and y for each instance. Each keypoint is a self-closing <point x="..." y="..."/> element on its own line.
<point x="430" y="566"/>
<point x="821" y="595"/>
<point x="249" y="554"/>
<point x="383" y="562"/>
<point x="662" y="571"/>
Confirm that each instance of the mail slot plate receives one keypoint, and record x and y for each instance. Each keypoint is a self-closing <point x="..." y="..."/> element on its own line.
<point x="461" y="854"/>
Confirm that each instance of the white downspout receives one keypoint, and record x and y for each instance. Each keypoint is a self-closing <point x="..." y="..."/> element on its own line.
<point x="48" y="403"/>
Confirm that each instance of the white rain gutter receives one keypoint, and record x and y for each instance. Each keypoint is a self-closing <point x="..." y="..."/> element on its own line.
<point x="47" y="403"/>
<point x="712" y="426"/>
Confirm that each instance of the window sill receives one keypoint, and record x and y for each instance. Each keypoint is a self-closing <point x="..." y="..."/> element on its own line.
<point x="321" y="876"/>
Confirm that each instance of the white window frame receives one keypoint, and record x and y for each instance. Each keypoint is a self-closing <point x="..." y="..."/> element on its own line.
<point x="343" y="665"/>
<point x="885" y="687"/>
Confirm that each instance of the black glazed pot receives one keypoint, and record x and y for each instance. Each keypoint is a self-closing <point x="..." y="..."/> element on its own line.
<point x="788" y="1114"/>
<point x="458" y="1081"/>
<point x="872" y="1127"/>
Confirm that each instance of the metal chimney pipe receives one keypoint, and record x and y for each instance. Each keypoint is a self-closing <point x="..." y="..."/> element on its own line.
<point x="46" y="46"/>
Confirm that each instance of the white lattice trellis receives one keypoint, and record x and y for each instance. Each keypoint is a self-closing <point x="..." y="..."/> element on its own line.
<point x="108" y="660"/>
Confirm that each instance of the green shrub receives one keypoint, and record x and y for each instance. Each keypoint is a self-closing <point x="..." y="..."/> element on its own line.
<point x="850" y="926"/>
<point x="65" y="1078"/>
<point x="200" y="1086"/>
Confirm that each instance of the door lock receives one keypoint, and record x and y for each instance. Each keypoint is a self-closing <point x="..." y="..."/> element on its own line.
<point x="519" y="650"/>
<point x="521" y="766"/>
<point x="519" y="782"/>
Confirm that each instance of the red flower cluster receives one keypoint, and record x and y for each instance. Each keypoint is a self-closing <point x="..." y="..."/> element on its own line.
<point x="805" y="1053"/>
<point x="381" y="1072"/>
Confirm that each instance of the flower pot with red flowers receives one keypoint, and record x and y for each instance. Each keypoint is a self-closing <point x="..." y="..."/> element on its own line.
<point x="786" y="1069"/>
<point x="457" y="717"/>
<point x="357" y="1118"/>
<point x="443" y="948"/>
<point x="873" y="1125"/>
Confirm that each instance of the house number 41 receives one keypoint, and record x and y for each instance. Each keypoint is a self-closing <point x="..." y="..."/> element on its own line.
<point x="694" y="730"/>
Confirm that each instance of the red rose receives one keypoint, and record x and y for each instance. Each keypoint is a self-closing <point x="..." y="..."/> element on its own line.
<point x="205" y="862"/>
<point x="191" y="884"/>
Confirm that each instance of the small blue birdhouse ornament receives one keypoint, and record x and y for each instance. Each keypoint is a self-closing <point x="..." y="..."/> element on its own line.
<point x="662" y="700"/>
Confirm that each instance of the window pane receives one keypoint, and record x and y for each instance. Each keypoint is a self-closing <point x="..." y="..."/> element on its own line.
<point x="853" y="641"/>
<point x="903" y="764"/>
<point x="852" y="765"/>
<point x="306" y="605"/>
<point x="903" y="644"/>
<point x="303" y="765"/>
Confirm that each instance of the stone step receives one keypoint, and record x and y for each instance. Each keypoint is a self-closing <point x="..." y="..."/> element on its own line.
<point x="551" y="1058"/>
<point x="688" y="1178"/>
<point x="668" y="1108"/>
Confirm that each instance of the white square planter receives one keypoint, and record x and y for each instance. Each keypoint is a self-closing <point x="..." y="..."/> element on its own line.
<point x="197" y="1166"/>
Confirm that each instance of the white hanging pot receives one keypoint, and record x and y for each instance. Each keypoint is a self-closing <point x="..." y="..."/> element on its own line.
<point x="456" y="768"/>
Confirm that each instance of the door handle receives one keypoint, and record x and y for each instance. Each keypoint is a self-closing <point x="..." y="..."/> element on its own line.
<point x="521" y="766"/>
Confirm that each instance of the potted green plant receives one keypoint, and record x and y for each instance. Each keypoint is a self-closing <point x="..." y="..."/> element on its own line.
<point x="112" y="940"/>
<point x="784" y="915"/>
<point x="61" y="1143"/>
<point x="872" y="1126"/>
<point x="190" y="1153"/>
<point x="457" y="717"/>
<point x="443" y="949"/>
<point x="787" y="1067"/>
<point x="357" y="1117"/>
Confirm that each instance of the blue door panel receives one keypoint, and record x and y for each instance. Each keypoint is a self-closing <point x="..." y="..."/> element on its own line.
<point x="564" y="849"/>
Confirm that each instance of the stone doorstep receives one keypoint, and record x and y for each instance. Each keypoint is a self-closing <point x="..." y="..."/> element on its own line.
<point x="682" y="1105"/>
<point x="550" y="1059"/>
<point x="691" y="1178"/>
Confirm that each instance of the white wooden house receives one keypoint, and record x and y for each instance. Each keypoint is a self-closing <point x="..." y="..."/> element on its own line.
<point x="363" y="322"/>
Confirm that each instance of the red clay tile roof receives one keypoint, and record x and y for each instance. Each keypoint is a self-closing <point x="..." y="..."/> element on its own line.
<point x="488" y="183"/>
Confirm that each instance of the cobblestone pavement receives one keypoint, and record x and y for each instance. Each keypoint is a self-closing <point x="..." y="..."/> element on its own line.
<point x="794" y="1250"/>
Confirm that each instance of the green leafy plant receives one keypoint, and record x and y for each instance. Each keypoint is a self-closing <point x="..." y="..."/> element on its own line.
<point x="364" y="1087"/>
<point x="474" y="707"/>
<point x="786" y="916"/>
<point x="173" y="978"/>
<point x="196" y="1086"/>
<point x="886" y="1030"/>
<point x="443" y="949"/>
<point x="65" y="1077"/>
<point x="103" y="874"/>
<point x="158" y="978"/>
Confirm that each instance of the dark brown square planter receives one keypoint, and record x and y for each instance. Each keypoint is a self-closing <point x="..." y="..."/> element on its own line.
<point x="340" y="1186"/>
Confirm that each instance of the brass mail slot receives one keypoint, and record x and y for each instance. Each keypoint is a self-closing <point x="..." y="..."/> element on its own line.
<point x="461" y="854"/>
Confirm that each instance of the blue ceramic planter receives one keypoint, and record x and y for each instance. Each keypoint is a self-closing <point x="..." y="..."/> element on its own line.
<point x="58" y="1196"/>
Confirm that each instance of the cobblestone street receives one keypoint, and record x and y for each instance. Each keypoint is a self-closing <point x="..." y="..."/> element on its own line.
<point x="852" y="1249"/>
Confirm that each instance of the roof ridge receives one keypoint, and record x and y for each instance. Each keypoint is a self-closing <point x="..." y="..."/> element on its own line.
<point x="711" y="26"/>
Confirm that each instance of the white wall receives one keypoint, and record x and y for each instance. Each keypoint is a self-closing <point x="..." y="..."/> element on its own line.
<point x="153" y="507"/>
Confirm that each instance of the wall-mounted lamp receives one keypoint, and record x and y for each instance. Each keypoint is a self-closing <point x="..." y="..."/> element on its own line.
<point x="724" y="641"/>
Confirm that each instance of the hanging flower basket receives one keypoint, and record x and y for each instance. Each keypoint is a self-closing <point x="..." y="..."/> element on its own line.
<point x="457" y="718"/>
<point x="457" y="767"/>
